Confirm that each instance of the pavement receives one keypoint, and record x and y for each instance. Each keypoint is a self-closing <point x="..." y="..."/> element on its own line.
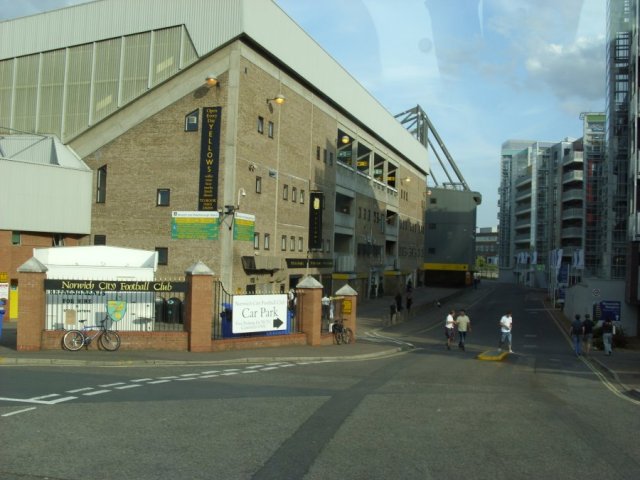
<point x="621" y="368"/>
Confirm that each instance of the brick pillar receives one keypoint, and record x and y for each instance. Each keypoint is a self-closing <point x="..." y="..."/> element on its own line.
<point x="309" y="293"/>
<point x="31" y="305"/>
<point x="349" y="307"/>
<point x="199" y="307"/>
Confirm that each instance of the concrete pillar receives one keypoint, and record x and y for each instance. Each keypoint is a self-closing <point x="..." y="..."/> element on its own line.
<point x="309" y="309"/>
<point x="349" y="307"/>
<point x="31" y="305"/>
<point x="199" y="307"/>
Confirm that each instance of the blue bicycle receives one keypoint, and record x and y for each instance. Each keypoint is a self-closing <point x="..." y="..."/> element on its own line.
<point x="76" y="339"/>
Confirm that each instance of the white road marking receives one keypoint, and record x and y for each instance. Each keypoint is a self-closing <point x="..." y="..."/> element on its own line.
<point x="109" y="385"/>
<point x="18" y="411"/>
<point x="249" y="371"/>
<point x="142" y="379"/>
<point x="210" y="376"/>
<point x="251" y="367"/>
<point x="185" y="379"/>
<point x="125" y="387"/>
<point x="189" y="374"/>
<point x="46" y="396"/>
<point x="268" y="368"/>
<point x="206" y="373"/>
<point x="170" y="377"/>
<point x="78" y="390"/>
<point x="230" y="373"/>
<point x="159" y="381"/>
<point x="96" y="392"/>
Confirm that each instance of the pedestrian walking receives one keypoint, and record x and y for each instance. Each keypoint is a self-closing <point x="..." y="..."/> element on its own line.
<point x="577" y="332"/>
<point x="325" y="301"/>
<point x="506" y="324"/>
<point x="463" y="324"/>
<point x="450" y="328"/>
<point x="587" y="337"/>
<point x="607" y="335"/>
<point x="409" y="301"/>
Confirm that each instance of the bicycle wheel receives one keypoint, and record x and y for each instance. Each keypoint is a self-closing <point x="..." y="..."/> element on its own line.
<point x="347" y="335"/>
<point x="73" y="340"/>
<point x="110" y="340"/>
<point x="337" y="335"/>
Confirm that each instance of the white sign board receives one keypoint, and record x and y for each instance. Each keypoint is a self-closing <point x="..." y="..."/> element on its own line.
<point x="259" y="313"/>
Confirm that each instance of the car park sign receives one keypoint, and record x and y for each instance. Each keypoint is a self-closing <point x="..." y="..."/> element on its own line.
<point x="259" y="313"/>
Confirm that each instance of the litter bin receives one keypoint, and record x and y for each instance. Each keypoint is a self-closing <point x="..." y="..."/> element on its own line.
<point x="226" y="317"/>
<point x="174" y="310"/>
<point x="161" y="310"/>
<point x="3" y="303"/>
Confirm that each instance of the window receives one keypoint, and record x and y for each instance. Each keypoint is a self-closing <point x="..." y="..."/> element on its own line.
<point x="431" y="250"/>
<point x="99" y="239"/>
<point x="258" y="184"/>
<point x="260" y="125"/>
<point x="191" y="122"/>
<point x="270" y="129"/>
<point x="283" y="243"/>
<point x="330" y="158"/>
<point x="101" y="185"/>
<point x="163" y="197"/>
<point x="58" y="240"/>
<point x="294" y="194"/>
<point x="256" y="241"/>
<point x="163" y="255"/>
<point x="327" y="246"/>
<point x="433" y="201"/>
<point x="267" y="241"/>
<point x="16" y="238"/>
<point x="292" y="245"/>
<point x="318" y="153"/>
<point x="432" y="226"/>
<point x="285" y="192"/>
<point x="300" y="243"/>
<point x="326" y="155"/>
<point x="301" y="196"/>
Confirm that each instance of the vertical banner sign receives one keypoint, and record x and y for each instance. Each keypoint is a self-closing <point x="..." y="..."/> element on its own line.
<point x="316" y="205"/>
<point x="209" y="158"/>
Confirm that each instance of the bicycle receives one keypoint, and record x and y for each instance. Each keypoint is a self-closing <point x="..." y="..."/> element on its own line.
<point x="342" y="334"/>
<point x="76" y="339"/>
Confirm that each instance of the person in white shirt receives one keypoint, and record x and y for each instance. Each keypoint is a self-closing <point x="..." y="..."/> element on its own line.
<point x="449" y="328"/>
<point x="506" y="323"/>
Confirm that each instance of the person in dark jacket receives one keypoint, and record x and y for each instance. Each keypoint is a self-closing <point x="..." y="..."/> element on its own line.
<point x="577" y="332"/>
<point x="587" y="337"/>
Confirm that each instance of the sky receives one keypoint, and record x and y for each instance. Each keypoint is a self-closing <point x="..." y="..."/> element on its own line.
<point x="484" y="71"/>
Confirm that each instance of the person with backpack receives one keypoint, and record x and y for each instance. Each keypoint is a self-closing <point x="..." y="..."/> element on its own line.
<point x="577" y="332"/>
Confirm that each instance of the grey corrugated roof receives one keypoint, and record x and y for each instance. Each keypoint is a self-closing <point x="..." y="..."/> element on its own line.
<point x="39" y="149"/>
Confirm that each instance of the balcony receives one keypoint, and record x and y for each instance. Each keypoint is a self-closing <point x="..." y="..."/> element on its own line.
<point x="571" y="232"/>
<point x="523" y="208"/>
<point x="523" y="195"/>
<point x="573" y="176"/>
<point x="572" y="213"/>
<point x="525" y="180"/>
<point x="344" y="220"/>
<point x="573" y="194"/>
<point x="344" y="263"/>
<point x="573" y="157"/>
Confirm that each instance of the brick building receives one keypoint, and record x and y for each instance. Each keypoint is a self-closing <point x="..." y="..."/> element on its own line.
<point x="220" y="132"/>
